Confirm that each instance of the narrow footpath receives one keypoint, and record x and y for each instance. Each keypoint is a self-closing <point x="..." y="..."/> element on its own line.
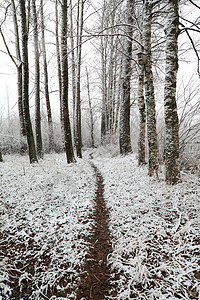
<point x="95" y="282"/>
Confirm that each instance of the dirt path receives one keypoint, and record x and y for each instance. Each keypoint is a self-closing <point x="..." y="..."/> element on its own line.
<point x="95" y="284"/>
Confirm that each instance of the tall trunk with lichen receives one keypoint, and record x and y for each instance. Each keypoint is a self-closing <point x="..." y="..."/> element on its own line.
<point x="171" y="116"/>
<point x="124" y="119"/>
<point x="65" y="85"/>
<point x="149" y="91"/>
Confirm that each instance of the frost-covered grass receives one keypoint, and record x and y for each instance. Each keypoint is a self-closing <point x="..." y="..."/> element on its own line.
<point x="45" y="215"/>
<point x="156" y="231"/>
<point x="46" y="212"/>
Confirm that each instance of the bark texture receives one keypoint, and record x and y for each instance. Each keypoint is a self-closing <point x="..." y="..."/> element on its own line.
<point x="25" y="83"/>
<point x="171" y="116"/>
<point x="64" y="75"/>
<point x="124" y="125"/>
<point x="149" y="92"/>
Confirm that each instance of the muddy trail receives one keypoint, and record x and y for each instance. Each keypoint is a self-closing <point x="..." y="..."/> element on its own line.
<point x="95" y="282"/>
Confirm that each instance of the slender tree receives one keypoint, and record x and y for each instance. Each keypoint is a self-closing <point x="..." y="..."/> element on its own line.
<point x="142" y="111"/>
<point x="1" y="157"/>
<point x="149" y="91"/>
<point x="124" y="126"/>
<point x="171" y="116"/>
<point x="78" y="135"/>
<point x="90" y="108"/>
<point x="25" y="83"/>
<point x="38" y="132"/>
<point x="59" y="59"/>
<point x="46" y="82"/>
<point x="65" y="88"/>
<point x="19" y="70"/>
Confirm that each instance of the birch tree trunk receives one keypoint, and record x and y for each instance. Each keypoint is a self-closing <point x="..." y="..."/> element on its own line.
<point x="65" y="88"/>
<point x="171" y="116"/>
<point x="90" y="108"/>
<point x="73" y="68"/>
<point x="25" y="83"/>
<point x="149" y="92"/>
<point x="78" y="136"/>
<point x="124" y="119"/>
<point x="19" y="71"/>
<point x="46" y="82"/>
<point x="58" y="61"/>
<point x="142" y="117"/>
<point x="38" y="131"/>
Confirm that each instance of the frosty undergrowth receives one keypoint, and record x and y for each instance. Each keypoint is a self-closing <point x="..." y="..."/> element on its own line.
<point x="156" y="232"/>
<point x="45" y="211"/>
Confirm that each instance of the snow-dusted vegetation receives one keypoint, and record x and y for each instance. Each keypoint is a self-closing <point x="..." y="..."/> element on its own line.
<point x="46" y="213"/>
<point x="156" y="231"/>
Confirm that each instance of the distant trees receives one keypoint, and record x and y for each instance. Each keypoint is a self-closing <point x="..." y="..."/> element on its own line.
<point x="128" y="59"/>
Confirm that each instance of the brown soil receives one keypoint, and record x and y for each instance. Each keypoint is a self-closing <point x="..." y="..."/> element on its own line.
<point x="95" y="281"/>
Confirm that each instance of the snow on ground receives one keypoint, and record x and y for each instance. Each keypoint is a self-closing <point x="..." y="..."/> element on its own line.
<point x="156" y="231"/>
<point x="45" y="215"/>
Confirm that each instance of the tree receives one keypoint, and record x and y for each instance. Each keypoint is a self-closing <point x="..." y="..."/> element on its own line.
<point x="65" y="88"/>
<point x="149" y="91"/>
<point x="25" y="83"/>
<point x="38" y="131"/>
<point x="142" y="110"/>
<point x="124" y="126"/>
<point x="78" y="138"/>
<point x="90" y="109"/>
<point x="171" y="117"/>
<point x="46" y="82"/>
<point x="1" y="158"/>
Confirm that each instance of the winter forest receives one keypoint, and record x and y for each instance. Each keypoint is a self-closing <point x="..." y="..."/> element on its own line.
<point x="99" y="149"/>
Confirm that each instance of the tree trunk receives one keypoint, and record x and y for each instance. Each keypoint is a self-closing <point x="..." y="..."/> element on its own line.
<point x="1" y="158"/>
<point x="64" y="72"/>
<point x="73" y="69"/>
<point x="19" y="72"/>
<point x="142" y="116"/>
<point x="38" y="132"/>
<point x="91" y="111"/>
<point x="25" y="83"/>
<point x="78" y="136"/>
<point x="171" y="116"/>
<point x="46" y="83"/>
<point x="124" y="126"/>
<point x="58" y="62"/>
<point x="149" y="92"/>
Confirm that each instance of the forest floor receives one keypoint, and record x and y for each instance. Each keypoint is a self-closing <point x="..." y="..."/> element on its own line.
<point x="97" y="229"/>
